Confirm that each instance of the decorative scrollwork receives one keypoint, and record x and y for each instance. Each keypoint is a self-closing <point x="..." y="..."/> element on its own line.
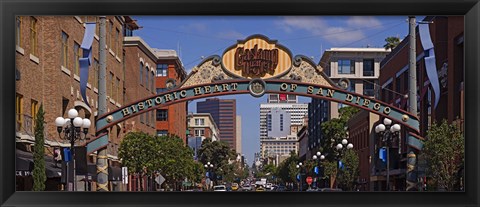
<point x="296" y="77"/>
<point x="216" y="60"/>
<point x="218" y="78"/>
<point x="297" y="60"/>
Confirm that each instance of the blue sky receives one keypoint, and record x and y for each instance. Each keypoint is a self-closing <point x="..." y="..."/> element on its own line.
<point x="195" y="37"/>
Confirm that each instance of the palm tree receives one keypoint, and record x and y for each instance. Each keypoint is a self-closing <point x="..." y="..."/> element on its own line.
<point x="391" y="42"/>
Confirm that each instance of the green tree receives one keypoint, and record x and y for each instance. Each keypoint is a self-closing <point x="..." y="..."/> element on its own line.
<point x="445" y="152"/>
<point x="39" y="176"/>
<point x="219" y="154"/>
<point x="330" y="170"/>
<point x="138" y="152"/>
<point x="349" y="172"/>
<point x="335" y="130"/>
<point x="175" y="160"/>
<point x="391" y="42"/>
<point x="287" y="170"/>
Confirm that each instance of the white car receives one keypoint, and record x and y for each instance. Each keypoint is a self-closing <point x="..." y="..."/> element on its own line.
<point x="219" y="188"/>
<point x="268" y="186"/>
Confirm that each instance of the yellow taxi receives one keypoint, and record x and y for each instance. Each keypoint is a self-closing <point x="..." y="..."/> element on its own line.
<point x="234" y="186"/>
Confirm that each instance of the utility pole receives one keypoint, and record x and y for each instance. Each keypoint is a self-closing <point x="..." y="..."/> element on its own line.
<point x="102" y="162"/>
<point x="412" y="100"/>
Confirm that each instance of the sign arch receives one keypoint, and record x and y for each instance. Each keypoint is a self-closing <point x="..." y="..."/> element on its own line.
<point x="212" y="77"/>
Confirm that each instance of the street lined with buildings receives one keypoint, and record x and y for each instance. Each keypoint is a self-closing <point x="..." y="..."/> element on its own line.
<point x="356" y="132"/>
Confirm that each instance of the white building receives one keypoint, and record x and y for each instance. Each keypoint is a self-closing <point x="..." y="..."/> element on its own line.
<point x="273" y="118"/>
<point x="361" y="66"/>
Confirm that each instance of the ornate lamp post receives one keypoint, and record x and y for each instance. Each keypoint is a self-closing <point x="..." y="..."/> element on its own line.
<point x="71" y="128"/>
<point x="209" y="168"/>
<point x="341" y="149"/>
<point x="320" y="158"/>
<point x="388" y="133"/>
<point x="300" y="167"/>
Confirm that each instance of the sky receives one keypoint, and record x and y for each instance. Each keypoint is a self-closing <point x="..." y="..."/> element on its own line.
<point x="197" y="37"/>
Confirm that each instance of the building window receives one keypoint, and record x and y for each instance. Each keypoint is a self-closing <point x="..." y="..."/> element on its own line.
<point x="64" y="52"/>
<point x="368" y="88"/>
<point x="147" y="117"/>
<point x="34" y="109"/>
<point x="162" y="133"/>
<point x="146" y="77"/>
<point x="281" y="122"/>
<point x="162" y="115"/>
<point x="141" y="73"/>
<point x="110" y="33"/>
<point x="110" y="84"/>
<point x="152" y="81"/>
<point x="118" y="41"/>
<point x="199" y="132"/>
<point x="19" y="110"/>
<point x="406" y="81"/>
<point x="346" y="67"/>
<point x="33" y="36"/>
<point x="368" y="67"/>
<point x="117" y="92"/>
<point x="141" y="118"/>
<point x="76" y="55"/>
<point x="199" y="122"/>
<point x="162" y="70"/>
<point x="18" y="31"/>
<point x="161" y="90"/>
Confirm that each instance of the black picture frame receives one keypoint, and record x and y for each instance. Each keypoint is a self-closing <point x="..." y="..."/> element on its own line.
<point x="10" y="8"/>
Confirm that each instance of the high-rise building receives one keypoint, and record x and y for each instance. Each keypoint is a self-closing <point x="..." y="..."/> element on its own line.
<point x="238" y="147"/>
<point x="278" y="117"/>
<point x="224" y="113"/>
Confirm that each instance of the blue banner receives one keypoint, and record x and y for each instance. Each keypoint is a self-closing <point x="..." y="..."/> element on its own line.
<point x="315" y="170"/>
<point x="86" y="60"/>
<point x="382" y="154"/>
<point x="430" y="62"/>
<point x="67" y="156"/>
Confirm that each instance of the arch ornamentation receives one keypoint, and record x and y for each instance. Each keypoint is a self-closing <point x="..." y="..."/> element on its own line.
<point x="212" y="78"/>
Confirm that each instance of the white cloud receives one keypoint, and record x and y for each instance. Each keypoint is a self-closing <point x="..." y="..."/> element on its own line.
<point x="231" y="35"/>
<point x="344" y="33"/>
<point x="362" y="21"/>
<point x="194" y="27"/>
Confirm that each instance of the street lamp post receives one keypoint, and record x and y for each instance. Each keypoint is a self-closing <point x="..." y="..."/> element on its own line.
<point x="209" y="168"/>
<point x="388" y="133"/>
<point x="341" y="148"/>
<point x="316" y="157"/>
<point x="71" y="128"/>
<point x="300" y="167"/>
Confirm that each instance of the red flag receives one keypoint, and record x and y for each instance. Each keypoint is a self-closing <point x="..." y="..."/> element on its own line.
<point x="282" y="97"/>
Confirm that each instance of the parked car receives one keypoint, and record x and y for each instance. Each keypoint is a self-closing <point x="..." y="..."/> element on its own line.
<point x="234" y="186"/>
<point x="259" y="189"/>
<point x="219" y="188"/>
<point x="246" y="188"/>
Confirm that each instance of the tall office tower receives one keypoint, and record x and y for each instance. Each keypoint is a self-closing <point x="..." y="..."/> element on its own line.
<point x="279" y="119"/>
<point x="238" y="147"/>
<point x="224" y="113"/>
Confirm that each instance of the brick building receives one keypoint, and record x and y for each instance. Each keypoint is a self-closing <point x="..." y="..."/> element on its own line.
<point x="48" y="74"/>
<point x="447" y="37"/>
<point x="170" y="119"/>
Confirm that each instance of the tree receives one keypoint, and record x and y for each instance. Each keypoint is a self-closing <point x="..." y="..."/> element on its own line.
<point x="391" y="42"/>
<point x="219" y="154"/>
<point x="444" y="149"/>
<point x="138" y="152"/>
<point x="335" y="130"/>
<point x="39" y="176"/>
<point x="350" y="171"/>
<point x="287" y="170"/>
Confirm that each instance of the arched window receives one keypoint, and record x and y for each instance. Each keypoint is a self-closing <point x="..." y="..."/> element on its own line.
<point x="146" y="77"/>
<point x="152" y="82"/>
<point x="141" y="73"/>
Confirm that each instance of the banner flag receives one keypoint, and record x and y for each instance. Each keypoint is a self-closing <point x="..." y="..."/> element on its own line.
<point x="86" y="60"/>
<point x="430" y="63"/>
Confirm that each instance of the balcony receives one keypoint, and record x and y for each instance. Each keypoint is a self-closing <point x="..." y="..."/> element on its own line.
<point x="368" y="73"/>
